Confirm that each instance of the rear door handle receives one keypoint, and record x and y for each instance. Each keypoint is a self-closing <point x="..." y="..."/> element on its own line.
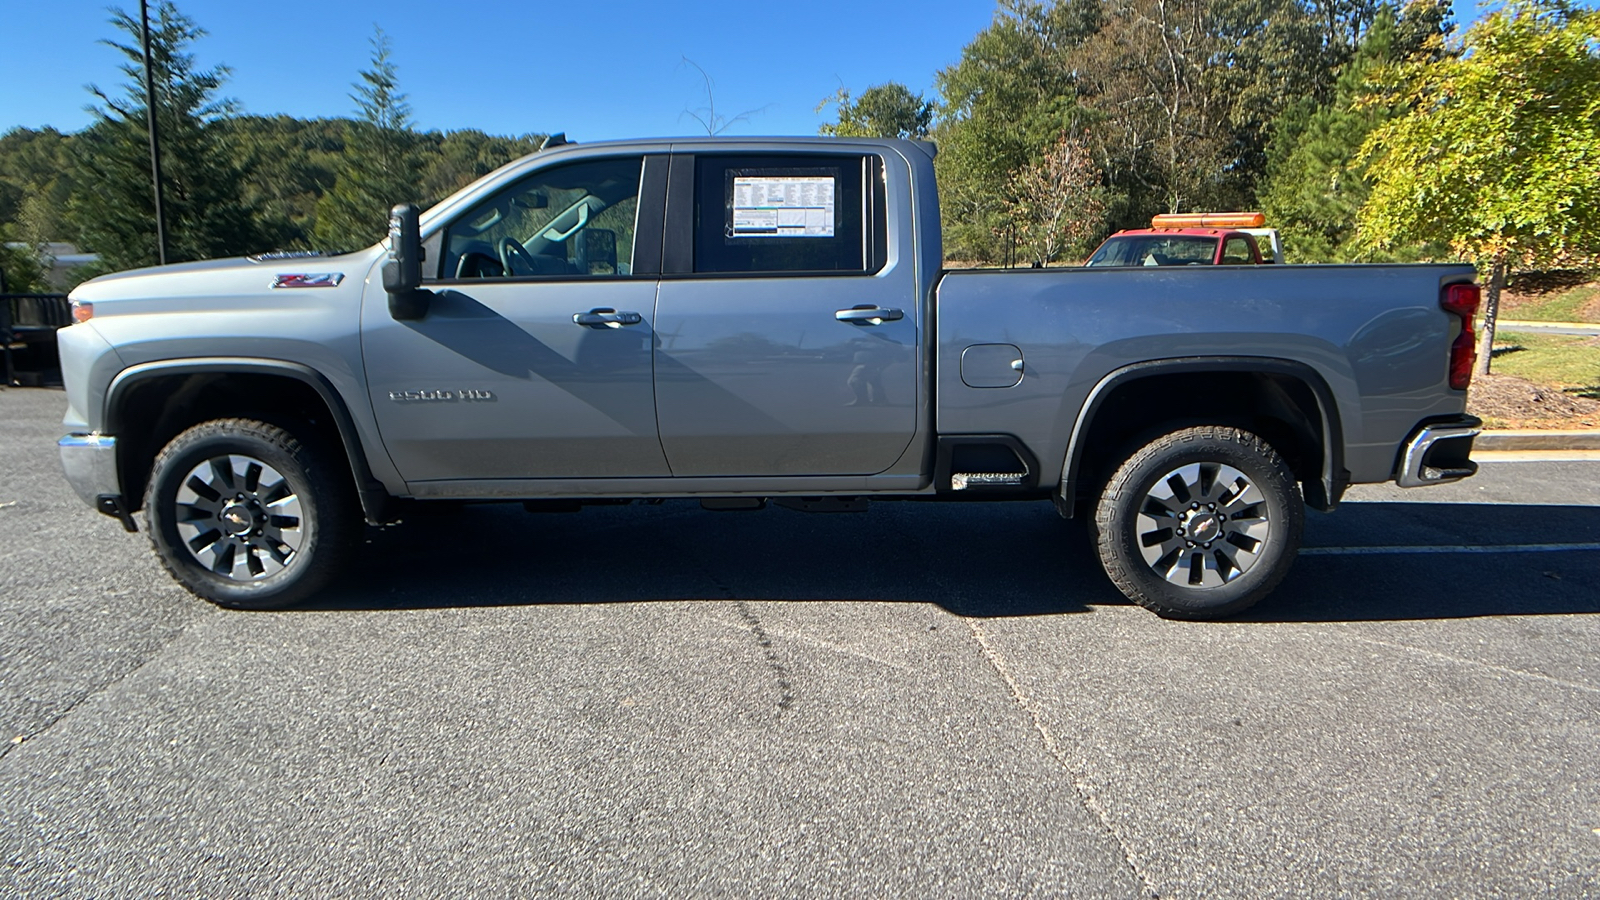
<point x="606" y="317"/>
<point x="868" y="315"/>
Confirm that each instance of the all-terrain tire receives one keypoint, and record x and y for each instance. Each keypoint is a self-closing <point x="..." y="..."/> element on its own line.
<point x="247" y="515"/>
<point x="1200" y="523"/>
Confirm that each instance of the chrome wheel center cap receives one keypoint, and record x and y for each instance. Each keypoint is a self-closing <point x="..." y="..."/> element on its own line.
<point x="237" y="519"/>
<point x="1204" y="528"/>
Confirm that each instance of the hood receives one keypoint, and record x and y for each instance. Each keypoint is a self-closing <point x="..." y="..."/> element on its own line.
<point x="193" y="283"/>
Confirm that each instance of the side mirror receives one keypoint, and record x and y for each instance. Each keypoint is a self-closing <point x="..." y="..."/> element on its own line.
<point x="402" y="272"/>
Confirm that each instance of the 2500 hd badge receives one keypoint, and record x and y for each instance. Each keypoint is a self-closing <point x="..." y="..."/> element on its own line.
<point x="411" y="396"/>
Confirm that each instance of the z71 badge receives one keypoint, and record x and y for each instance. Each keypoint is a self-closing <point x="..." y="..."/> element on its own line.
<point x="437" y="396"/>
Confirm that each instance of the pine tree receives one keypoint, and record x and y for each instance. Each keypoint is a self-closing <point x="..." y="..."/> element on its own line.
<point x="1315" y="185"/>
<point x="21" y="270"/>
<point x="382" y="162"/>
<point x="112" y="204"/>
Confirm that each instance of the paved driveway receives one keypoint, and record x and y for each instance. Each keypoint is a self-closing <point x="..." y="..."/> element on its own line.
<point x="922" y="700"/>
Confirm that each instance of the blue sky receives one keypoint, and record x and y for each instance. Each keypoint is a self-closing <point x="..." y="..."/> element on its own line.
<point x="595" y="70"/>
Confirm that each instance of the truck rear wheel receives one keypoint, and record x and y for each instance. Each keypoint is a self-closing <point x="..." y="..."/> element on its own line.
<point x="247" y="516"/>
<point x="1200" y="523"/>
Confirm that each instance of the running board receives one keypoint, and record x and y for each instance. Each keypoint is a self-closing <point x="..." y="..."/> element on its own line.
<point x="960" y="481"/>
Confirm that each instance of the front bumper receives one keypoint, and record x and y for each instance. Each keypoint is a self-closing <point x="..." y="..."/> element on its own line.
<point x="1437" y="453"/>
<point x="90" y="463"/>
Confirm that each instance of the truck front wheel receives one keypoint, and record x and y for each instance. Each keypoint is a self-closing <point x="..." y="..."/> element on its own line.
<point x="246" y="515"/>
<point x="1200" y="523"/>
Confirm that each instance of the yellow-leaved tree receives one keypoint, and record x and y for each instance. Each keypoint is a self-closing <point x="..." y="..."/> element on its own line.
<point x="1499" y="153"/>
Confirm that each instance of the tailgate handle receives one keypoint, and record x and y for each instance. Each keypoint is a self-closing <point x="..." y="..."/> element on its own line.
<point x="605" y="317"/>
<point x="868" y="315"/>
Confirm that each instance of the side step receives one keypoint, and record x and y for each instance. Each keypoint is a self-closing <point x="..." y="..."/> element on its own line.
<point x="960" y="481"/>
<point x="984" y="464"/>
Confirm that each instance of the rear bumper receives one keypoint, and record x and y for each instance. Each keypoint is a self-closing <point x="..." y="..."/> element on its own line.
<point x="1437" y="453"/>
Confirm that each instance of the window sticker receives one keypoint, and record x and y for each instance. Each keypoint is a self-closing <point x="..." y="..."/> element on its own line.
<point x="781" y="206"/>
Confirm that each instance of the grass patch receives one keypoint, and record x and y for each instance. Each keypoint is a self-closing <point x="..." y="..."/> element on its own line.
<point x="1569" y="361"/>
<point x="1556" y="306"/>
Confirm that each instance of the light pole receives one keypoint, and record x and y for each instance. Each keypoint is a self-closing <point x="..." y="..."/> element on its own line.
<point x="150" y="119"/>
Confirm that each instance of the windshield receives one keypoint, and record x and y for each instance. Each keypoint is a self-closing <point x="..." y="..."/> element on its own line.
<point x="1155" y="250"/>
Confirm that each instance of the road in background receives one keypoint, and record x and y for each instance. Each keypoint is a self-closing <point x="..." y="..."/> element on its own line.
<point x="924" y="699"/>
<point x="1578" y="328"/>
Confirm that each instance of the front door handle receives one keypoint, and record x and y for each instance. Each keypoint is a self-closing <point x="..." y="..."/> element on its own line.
<point x="606" y="317"/>
<point x="868" y="315"/>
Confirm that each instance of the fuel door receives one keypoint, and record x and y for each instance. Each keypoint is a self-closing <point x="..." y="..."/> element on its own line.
<point x="991" y="366"/>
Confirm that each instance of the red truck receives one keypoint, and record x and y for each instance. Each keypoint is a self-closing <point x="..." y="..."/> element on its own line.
<point x="1193" y="239"/>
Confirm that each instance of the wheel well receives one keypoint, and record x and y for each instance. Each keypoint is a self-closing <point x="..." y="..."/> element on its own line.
<point x="162" y="406"/>
<point x="1282" y="409"/>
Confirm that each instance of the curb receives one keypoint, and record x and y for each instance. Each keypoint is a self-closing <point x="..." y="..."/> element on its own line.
<point x="1537" y="440"/>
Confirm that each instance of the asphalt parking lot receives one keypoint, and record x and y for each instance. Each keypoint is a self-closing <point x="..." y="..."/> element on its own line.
<point x="921" y="700"/>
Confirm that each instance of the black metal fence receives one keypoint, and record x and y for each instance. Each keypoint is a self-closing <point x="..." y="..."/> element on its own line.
<point x="28" y="324"/>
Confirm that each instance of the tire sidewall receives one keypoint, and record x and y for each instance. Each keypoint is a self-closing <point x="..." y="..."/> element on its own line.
<point x="194" y="447"/>
<point x="1243" y="451"/>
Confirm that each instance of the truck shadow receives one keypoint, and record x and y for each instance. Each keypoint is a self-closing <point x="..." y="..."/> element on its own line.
<point x="972" y="559"/>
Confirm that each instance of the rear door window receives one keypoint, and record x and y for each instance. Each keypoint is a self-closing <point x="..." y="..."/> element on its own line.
<point x="786" y="214"/>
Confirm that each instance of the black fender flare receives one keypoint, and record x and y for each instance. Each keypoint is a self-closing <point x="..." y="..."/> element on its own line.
<point x="375" y="498"/>
<point x="1335" y="477"/>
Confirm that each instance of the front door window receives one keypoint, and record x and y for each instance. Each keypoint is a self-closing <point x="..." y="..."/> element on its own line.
<point x="574" y="221"/>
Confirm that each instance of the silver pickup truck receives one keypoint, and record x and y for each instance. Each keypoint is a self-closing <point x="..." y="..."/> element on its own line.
<point x="744" y="321"/>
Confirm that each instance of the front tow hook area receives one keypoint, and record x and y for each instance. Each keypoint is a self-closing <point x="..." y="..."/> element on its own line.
<point x="114" y="506"/>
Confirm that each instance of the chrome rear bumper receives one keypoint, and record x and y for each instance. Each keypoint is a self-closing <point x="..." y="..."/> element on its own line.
<point x="1438" y="454"/>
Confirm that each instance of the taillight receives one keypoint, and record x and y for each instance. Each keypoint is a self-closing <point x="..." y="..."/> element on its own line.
<point x="1462" y="300"/>
<point x="82" y="311"/>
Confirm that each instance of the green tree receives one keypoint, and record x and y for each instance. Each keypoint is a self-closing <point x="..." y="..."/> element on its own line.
<point x="1314" y="185"/>
<point x="21" y="268"/>
<point x="1164" y="129"/>
<point x="883" y="110"/>
<point x="1008" y="97"/>
<point x="287" y="165"/>
<point x="111" y="204"/>
<point x="1498" y="155"/>
<point x="455" y="159"/>
<point x="35" y="183"/>
<point x="1314" y="188"/>
<point x="1185" y="92"/>
<point x="382" y="166"/>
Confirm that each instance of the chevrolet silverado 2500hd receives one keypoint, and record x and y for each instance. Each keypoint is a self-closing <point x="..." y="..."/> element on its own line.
<point x="742" y="320"/>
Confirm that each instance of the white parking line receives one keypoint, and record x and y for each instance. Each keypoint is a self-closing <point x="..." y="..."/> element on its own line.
<point x="1462" y="548"/>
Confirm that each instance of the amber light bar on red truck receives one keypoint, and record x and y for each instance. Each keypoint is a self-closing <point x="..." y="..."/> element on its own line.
<point x="1462" y="300"/>
<point x="1209" y="220"/>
